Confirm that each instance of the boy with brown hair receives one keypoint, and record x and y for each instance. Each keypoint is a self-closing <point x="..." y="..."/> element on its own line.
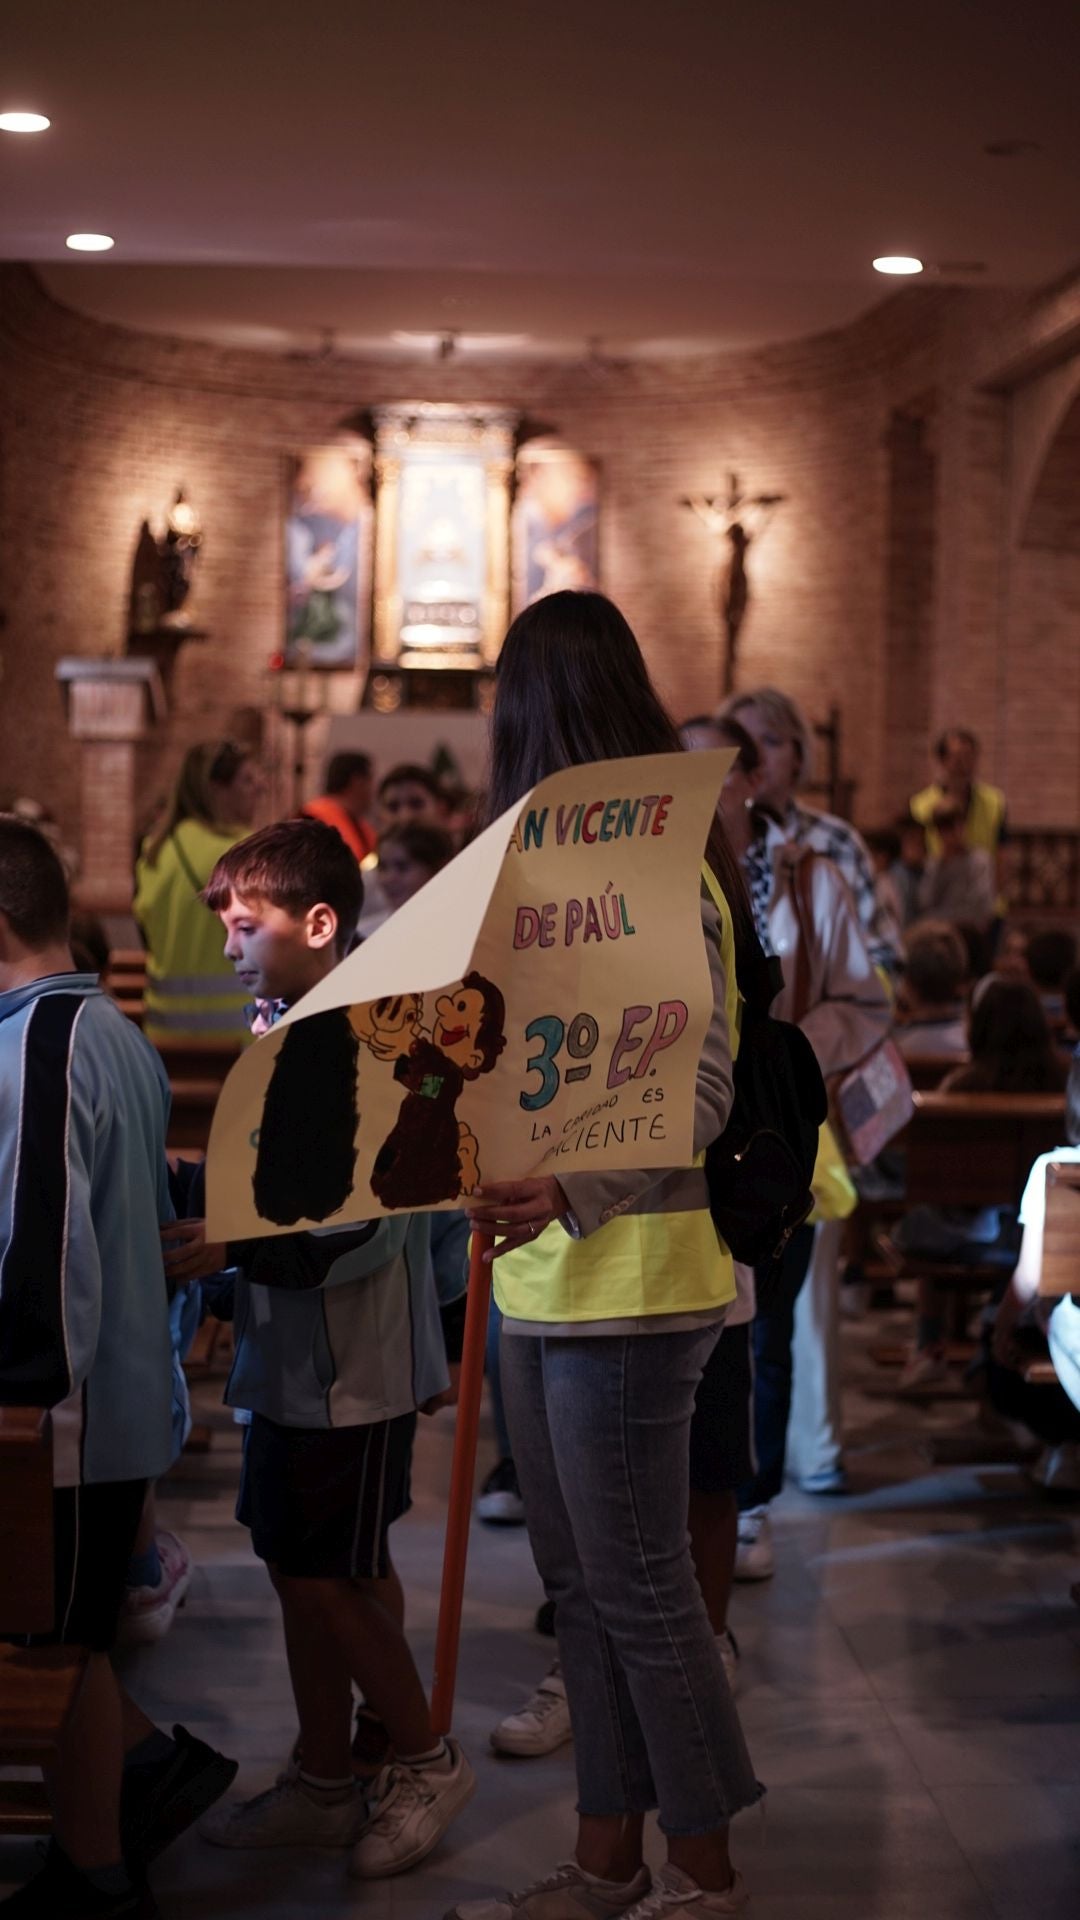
<point x="338" y="1343"/>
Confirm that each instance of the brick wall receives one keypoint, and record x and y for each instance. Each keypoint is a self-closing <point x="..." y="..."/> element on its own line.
<point x="99" y="425"/>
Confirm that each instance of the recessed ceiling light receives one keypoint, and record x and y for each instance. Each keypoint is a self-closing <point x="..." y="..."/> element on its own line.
<point x="23" y="122"/>
<point x="897" y="263"/>
<point x="89" y="242"/>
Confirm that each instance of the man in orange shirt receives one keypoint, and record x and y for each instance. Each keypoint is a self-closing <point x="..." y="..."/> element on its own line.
<point x="347" y="801"/>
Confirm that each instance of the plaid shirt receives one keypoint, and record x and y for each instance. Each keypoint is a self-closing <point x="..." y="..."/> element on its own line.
<point x="758" y="868"/>
<point x="840" y="843"/>
<point x="261" y="1015"/>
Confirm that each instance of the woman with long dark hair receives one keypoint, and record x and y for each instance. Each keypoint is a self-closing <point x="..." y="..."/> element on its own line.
<point x="613" y="1291"/>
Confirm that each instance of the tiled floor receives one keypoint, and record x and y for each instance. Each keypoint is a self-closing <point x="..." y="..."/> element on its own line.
<point x="910" y="1688"/>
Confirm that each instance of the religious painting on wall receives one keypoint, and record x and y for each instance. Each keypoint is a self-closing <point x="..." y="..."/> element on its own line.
<point x="555" y="534"/>
<point x="442" y="554"/>
<point x="442" y="535"/>
<point x="328" y="557"/>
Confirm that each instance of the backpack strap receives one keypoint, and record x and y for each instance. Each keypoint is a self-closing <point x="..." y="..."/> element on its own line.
<point x="801" y="881"/>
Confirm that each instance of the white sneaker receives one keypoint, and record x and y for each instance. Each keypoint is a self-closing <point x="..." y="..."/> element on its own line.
<point x="543" y="1723"/>
<point x="147" y="1613"/>
<point x="673" y="1892"/>
<point x="286" y="1816"/>
<point x="728" y="1648"/>
<point x="500" y="1503"/>
<point x="410" y="1810"/>
<point x="754" y="1557"/>
<point x="566" y="1894"/>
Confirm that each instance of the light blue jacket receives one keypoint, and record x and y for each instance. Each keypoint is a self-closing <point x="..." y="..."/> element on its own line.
<point x="84" y="1325"/>
<point x="339" y="1327"/>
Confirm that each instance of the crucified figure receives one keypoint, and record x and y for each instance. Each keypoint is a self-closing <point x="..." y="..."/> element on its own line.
<point x="739" y="518"/>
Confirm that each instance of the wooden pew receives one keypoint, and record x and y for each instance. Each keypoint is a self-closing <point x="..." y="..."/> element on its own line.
<point x="196" y="1075"/>
<point x="971" y="1150"/>
<point x="197" y="1063"/>
<point x="977" y="1149"/>
<point x="38" y="1685"/>
<point x="928" y="1070"/>
<point x="125" y="980"/>
<point x="193" y="1103"/>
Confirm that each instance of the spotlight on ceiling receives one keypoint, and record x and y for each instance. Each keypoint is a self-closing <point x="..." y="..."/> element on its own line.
<point x="23" y="122"/>
<point x="897" y="263"/>
<point x="89" y="242"/>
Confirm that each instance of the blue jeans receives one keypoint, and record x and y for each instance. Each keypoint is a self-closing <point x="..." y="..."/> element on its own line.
<point x="601" y="1436"/>
<point x="773" y="1334"/>
<point x="494" y="1374"/>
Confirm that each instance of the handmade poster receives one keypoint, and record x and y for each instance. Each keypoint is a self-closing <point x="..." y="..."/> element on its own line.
<point x="540" y="1007"/>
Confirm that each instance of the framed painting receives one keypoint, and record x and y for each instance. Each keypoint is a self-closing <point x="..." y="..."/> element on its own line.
<point x="329" y="528"/>
<point x="442" y="544"/>
<point x="555" y="523"/>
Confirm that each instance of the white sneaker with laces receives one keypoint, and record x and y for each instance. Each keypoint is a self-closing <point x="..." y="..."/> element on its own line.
<point x="567" y="1894"/>
<point x="754" y="1556"/>
<point x="410" y="1810"/>
<point x="673" y="1892"/>
<point x="542" y="1724"/>
<point x="286" y="1816"/>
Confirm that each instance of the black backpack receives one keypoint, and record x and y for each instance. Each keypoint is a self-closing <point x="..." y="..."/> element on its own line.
<point x="761" y="1168"/>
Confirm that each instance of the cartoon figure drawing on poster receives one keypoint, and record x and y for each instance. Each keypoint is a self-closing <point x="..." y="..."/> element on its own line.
<point x="305" y="1153"/>
<point x="431" y="1155"/>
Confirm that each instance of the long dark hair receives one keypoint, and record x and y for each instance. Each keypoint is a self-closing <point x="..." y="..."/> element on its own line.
<point x="1011" y="1046"/>
<point x="573" y="687"/>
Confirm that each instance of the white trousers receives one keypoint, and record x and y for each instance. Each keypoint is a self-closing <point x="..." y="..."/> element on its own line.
<point x="813" y="1445"/>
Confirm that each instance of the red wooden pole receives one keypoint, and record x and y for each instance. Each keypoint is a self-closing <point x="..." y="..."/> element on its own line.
<point x="459" y="1510"/>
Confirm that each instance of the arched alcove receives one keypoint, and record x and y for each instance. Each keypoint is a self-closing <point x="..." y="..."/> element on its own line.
<point x="1053" y="515"/>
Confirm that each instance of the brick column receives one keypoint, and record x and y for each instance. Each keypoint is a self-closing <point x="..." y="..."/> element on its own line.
<point x="113" y="706"/>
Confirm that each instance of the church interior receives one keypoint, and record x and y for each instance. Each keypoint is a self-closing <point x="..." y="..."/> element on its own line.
<point x="334" y="348"/>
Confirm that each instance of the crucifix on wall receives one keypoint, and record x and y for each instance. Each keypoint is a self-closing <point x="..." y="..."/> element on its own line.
<point x="739" y="519"/>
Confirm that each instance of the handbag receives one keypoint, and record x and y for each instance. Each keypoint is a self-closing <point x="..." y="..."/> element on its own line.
<point x="874" y="1100"/>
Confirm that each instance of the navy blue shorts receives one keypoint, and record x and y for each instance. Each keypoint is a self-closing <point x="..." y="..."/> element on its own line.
<point x="320" y="1500"/>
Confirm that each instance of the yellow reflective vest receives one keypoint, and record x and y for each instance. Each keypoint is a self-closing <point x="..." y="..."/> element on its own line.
<point x="639" y="1264"/>
<point x="985" y="820"/>
<point x="192" y="994"/>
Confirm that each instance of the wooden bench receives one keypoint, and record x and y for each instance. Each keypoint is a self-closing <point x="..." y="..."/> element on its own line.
<point x="928" y="1070"/>
<point x="970" y="1150"/>
<point x="977" y="1149"/>
<point x="38" y="1685"/>
<point x="197" y="1063"/>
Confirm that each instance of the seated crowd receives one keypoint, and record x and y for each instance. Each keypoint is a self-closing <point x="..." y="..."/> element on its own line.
<point x="899" y="943"/>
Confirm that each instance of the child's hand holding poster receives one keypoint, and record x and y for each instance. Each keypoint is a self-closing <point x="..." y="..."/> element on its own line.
<point x="540" y="1007"/>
